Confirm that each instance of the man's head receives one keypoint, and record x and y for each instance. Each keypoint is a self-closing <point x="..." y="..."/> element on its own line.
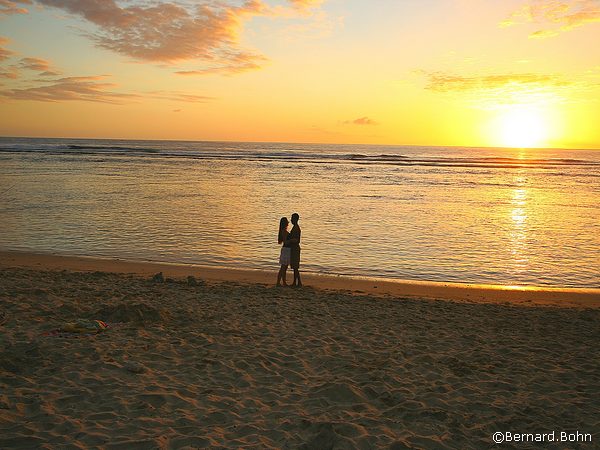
<point x="295" y="218"/>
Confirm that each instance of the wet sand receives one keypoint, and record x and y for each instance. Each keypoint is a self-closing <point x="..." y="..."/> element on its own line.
<point x="565" y="297"/>
<point x="229" y="362"/>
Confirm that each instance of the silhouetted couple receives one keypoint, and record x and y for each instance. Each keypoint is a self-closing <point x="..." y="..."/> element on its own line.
<point x="290" y="250"/>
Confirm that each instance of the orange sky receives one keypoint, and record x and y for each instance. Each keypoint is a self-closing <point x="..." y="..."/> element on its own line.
<point x="430" y="72"/>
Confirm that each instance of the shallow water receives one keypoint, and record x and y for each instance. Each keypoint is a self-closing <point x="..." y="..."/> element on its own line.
<point x="501" y="216"/>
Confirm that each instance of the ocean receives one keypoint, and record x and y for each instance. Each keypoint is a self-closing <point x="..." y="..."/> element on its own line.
<point x="467" y="215"/>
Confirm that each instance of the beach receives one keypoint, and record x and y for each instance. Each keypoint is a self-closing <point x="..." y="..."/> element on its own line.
<point x="225" y="359"/>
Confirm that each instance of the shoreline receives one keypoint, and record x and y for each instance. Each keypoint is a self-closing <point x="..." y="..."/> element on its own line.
<point x="457" y="292"/>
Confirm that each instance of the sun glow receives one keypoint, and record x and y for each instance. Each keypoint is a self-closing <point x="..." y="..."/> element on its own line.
<point x="522" y="128"/>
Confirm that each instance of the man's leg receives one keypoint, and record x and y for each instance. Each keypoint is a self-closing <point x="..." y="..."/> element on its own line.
<point x="297" y="281"/>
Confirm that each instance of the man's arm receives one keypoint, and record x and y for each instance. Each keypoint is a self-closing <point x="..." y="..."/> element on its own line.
<point x="295" y="240"/>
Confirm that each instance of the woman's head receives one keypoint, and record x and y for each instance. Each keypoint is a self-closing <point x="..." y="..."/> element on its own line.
<point x="283" y="224"/>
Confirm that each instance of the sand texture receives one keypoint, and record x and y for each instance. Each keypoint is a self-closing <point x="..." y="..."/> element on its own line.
<point x="462" y="292"/>
<point x="226" y="365"/>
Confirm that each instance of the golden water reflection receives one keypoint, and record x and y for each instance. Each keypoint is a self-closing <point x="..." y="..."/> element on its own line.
<point x="518" y="233"/>
<point x="529" y="225"/>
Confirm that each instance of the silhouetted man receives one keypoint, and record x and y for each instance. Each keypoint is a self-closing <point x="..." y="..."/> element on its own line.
<point x="294" y="242"/>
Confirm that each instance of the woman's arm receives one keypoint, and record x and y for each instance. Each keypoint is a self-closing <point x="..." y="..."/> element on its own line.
<point x="286" y="235"/>
<point x="294" y="237"/>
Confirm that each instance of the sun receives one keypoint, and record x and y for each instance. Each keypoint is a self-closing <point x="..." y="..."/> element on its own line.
<point x="522" y="128"/>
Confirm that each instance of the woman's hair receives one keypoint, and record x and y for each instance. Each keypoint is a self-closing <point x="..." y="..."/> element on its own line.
<point x="283" y="223"/>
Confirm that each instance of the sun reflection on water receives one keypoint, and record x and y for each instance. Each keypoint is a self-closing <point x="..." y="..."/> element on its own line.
<point x="518" y="233"/>
<point x="534" y="223"/>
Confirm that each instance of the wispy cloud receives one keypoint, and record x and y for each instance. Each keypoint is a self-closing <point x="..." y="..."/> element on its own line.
<point x="321" y="25"/>
<point x="91" y="89"/>
<point x="306" y="4"/>
<point x="443" y="82"/>
<point x="10" y="72"/>
<point x="87" y="88"/>
<point x="361" y="121"/>
<point x="38" y="65"/>
<point x="4" y="52"/>
<point x="9" y="7"/>
<point x="178" y="96"/>
<point x="32" y="64"/>
<point x="555" y="16"/>
<point x="503" y="90"/>
<point x="236" y="64"/>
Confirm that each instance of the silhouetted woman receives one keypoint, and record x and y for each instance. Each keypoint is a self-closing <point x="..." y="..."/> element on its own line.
<point x="286" y="251"/>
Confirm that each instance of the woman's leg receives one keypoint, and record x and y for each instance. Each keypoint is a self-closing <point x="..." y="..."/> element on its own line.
<point x="282" y="275"/>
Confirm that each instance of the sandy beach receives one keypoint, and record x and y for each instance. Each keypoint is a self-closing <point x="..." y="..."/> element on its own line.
<point x="227" y="360"/>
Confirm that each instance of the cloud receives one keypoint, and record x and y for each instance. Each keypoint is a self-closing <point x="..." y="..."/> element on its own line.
<point x="306" y="4"/>
<point x="503" y="90"/>
<point x="91" y="89"/>
<point x="320" y="26"/>
<point x="205" y="32"/>
<point x="50" y="73"/>
<point x="38" y="65"/>
<point x="542" y="34"/>
<point x="555" y="16"/>
<point x="4" y="53"/>
<point x="13" y="71"/>
<point x="32" y="64"/>
<point x="441" y="82"/>
<point x="238" y="65"/>
<point x="178" y="96"/>
<point x="9" y="7"/>
<point x="10" y="73"/>
<point x="361" y="121"/>
<point x="168" y="32"/>
<point x="88" y="88"/>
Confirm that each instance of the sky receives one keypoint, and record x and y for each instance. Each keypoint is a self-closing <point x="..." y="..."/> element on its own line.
<point x="509" y="73"/>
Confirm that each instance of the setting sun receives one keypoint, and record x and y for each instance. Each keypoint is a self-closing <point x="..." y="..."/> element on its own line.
<point x="522" y="128"/>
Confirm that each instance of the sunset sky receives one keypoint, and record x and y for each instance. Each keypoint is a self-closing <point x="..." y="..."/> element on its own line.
<point x="415" y="72"/>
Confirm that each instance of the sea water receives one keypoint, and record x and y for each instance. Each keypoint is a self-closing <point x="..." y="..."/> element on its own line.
<point x="473" y="215"/>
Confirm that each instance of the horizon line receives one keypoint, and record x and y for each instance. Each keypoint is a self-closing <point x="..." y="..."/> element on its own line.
<point x="303" y="143"/>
